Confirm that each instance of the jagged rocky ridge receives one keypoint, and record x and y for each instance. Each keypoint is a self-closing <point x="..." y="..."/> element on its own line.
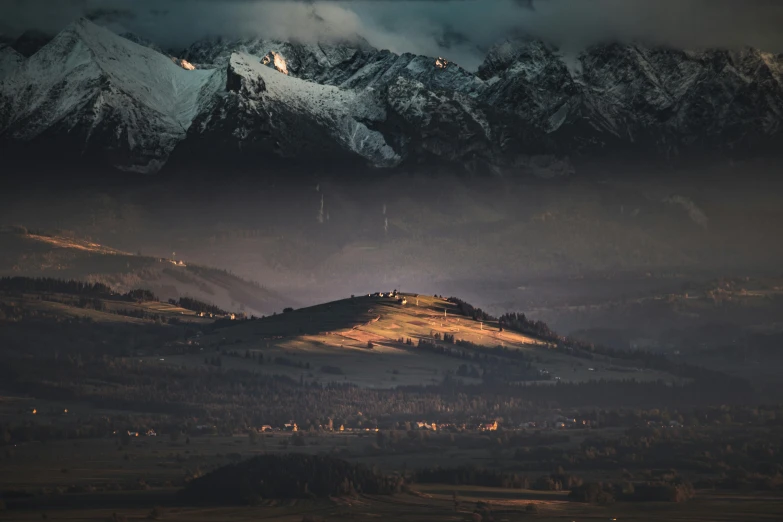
<point x="90" y="95"/>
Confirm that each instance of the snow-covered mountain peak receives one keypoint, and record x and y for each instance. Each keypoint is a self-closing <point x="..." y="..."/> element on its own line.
<point x="522" y="52"/>
<point x="107" y="90"/>
<point x="342" y="114"/>
<point x="91" y="93"/>
<point x="143" y="73"/>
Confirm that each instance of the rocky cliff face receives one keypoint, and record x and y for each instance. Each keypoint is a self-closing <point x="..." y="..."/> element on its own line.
<point x="10" y="60"/>
<point x="92" y="94"/>
<point x="262" y="112"/>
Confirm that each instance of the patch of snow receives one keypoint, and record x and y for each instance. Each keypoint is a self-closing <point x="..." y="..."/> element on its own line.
<point x="87" y="73"/>
<point x="558" y="118"/>
<point x="342" y="112"/>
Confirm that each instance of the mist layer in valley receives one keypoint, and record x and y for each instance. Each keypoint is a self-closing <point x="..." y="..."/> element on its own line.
<point x="580" y="252"/>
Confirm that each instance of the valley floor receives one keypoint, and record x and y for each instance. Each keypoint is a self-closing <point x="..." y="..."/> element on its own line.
<point x="424" y="505"/>
<point x="64" y="472"/>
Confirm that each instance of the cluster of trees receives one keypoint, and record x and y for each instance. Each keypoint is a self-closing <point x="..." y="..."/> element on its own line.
<point x="140" y="295"/>
<point x="231" y="397"/>
<point x="279" y="359"/>
<point x="709" y="443"/>
<point x="469" y="310"/>
<point x="725" y="458"/>
<point x="27" y="285"/>
<point x="79" y="427"/>
<point x="288" y="476"/>
<point x="470" y="476"/>
<point x="24" y="285"/>
<point x="519" y="323"/>
<point x="605" y="493"/>
<point x="473" y="352"/>
<point x="670" y="489"/>
<point x="189" y="303"/>
<point x="100" y="305"/>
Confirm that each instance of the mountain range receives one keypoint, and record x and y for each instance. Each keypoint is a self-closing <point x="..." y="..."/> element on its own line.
<point x="92" y="97"/>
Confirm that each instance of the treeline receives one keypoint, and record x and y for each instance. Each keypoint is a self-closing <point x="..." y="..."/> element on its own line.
<point x="22" y="285"/>
<point x="469" y="310"/>
<point x="15" y="312"/>
<point x="288" y="476"/>
<point x="473" y="352"/>
<point x="494" y="365"/>
<point x="470" y="476"/>
<point x="189" y="303"/>
<point x="141" y="295"/>
<point x="627" y="393"/>
<point x="665" y="488"/>
<point x="520" y="323"/>
<point x="604" y="493"/>
<point x="232" y="396"/>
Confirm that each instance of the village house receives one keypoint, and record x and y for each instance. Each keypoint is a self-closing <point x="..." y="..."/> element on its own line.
<point x="492" y="426"/>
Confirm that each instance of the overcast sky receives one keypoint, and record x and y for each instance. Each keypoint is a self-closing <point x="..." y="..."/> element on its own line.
<point x="458" y="29"/>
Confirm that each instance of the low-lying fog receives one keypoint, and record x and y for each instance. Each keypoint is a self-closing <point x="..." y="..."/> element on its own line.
<point x="541" y="246"/>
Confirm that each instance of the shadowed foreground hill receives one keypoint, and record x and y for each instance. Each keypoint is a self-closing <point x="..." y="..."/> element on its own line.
<point x="287" y="476"/>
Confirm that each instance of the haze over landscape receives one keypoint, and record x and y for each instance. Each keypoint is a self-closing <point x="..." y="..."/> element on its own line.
<point x="432" y="260"/>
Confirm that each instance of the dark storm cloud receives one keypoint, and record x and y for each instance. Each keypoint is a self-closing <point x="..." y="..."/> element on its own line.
<point x="105" y="16"/>
<point x="460" y="29"/>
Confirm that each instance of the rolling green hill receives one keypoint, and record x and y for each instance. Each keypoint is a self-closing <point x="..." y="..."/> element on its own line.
<point x="409" y="339"/>
<point x="380" y="340"/>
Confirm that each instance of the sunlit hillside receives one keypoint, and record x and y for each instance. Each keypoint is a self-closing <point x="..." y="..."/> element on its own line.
<point x="393" y="340"/>
<point x="63" y="256"/>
